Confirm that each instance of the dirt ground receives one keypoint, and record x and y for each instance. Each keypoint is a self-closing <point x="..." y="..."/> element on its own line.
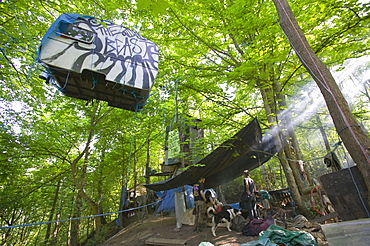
<point x="165" y="227"/>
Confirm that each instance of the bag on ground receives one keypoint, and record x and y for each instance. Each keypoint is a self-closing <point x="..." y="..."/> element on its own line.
<point x="254" y="227"/>
<point x="238" y="223"/>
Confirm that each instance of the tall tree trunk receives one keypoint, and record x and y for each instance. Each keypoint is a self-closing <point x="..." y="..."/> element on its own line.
<point x="134" y="156"/>
<point x="323" y="133"/>
<point x="354" y="138"/>
<point x="52" y="212"/>
<point x="100" y="219"/>
<point x="79" y="181"/>
<point x="281" y="175"/>
<point x="301" y="157"/>
<point x="324" y="137"/>
<point x="265" y="175"/>
<point x="124" y="193"/>
<point x="272" y="176"/>
<point x="75" y="224"/>
<point x="290" y="170"/>
<point x="147" y="164"/>
<point x="39" y="231"/>
<point x="54" y="238"/>
<point x="293" y="167"/>
<point x="79" y="173"/>
<point x="123" y="163"/>
<point x="292" y="185"/>
<point x="288" y="136"/>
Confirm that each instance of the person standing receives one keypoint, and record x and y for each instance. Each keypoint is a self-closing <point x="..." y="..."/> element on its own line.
<point x="265" y="198"/>
<point x="248" y="200"/>
<point x="200" y="201"/>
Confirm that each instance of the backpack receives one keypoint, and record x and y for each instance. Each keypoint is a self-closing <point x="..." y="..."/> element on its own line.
<point x="254" y="227"/>
<point x="238" y="223"/>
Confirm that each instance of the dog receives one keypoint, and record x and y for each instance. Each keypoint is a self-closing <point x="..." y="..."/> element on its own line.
<point x="227" y="214"/>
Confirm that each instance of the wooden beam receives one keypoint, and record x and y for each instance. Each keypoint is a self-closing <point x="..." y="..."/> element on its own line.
<point x="326" y="217"/>
<point x="165" y="241"/>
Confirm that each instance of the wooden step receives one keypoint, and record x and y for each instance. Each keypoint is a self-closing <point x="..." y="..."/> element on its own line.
<point x="164" y="241"/>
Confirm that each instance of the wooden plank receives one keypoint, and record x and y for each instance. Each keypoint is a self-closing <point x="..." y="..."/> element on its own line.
<point x="165" y="241"/>
<point x="145" y="236"/>
<point x="326" y="217"/>
<point x="354" y="232"/>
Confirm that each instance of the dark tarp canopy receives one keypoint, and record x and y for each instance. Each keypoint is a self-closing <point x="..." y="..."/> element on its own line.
<point x="245" y="150"/>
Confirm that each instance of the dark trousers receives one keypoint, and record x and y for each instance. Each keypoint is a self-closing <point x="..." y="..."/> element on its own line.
<point x="200" y="214"/>
<point x="250" y="206"/>
<point x="252" y="210"/>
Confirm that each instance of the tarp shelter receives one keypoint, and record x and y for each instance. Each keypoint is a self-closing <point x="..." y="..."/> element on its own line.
<point x="167" y="197"/>
<point x="167" y="203"/>
<point x="88" y="58"/>
<point x="245" y="150"/>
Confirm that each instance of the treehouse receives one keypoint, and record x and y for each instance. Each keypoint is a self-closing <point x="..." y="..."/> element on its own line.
<point x="87" y="58"/>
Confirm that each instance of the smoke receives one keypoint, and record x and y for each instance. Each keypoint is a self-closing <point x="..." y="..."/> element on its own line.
<point x="308" y="102"/>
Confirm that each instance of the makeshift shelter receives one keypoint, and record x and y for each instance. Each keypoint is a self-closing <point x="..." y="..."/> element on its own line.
<point x="87" y="58"/>
<point x="245" y="150"/>
<point x="167" y="197"/>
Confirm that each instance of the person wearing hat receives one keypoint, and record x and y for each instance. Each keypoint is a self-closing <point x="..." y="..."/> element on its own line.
<point x="248" y="200"/>
<point x="200" y="202"/>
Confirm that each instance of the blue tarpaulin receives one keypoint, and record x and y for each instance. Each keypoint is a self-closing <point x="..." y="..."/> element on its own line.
<point x="167" y="203"/>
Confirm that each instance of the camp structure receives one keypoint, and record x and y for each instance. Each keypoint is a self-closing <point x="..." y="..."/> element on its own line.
<point x="247" y="149"/>
<point x="167" y="199"/>
<point x="87" y="58"/>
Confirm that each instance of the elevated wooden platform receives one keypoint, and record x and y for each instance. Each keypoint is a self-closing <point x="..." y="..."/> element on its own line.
<point x="355" y="232"/>
<point x="81" y="86"/>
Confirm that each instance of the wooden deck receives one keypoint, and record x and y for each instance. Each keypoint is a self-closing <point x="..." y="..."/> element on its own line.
<point x="354" y="232"/>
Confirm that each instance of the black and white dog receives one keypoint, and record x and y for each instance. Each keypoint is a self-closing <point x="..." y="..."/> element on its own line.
<point x="227" y="214"/>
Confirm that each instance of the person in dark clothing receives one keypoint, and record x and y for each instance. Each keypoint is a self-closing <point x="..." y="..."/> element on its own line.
<point x="248" y="200"/>
<point x="200" y="202"/>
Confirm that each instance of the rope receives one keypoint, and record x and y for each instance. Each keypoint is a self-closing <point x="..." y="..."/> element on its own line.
<point x="91" y="216"/>
<point x="359" y="193"/>
<point x="313" y="199"/>
<point x="344" y="128"/>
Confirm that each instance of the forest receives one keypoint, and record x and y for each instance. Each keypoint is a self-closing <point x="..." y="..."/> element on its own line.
<point x="223" y="62"/>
